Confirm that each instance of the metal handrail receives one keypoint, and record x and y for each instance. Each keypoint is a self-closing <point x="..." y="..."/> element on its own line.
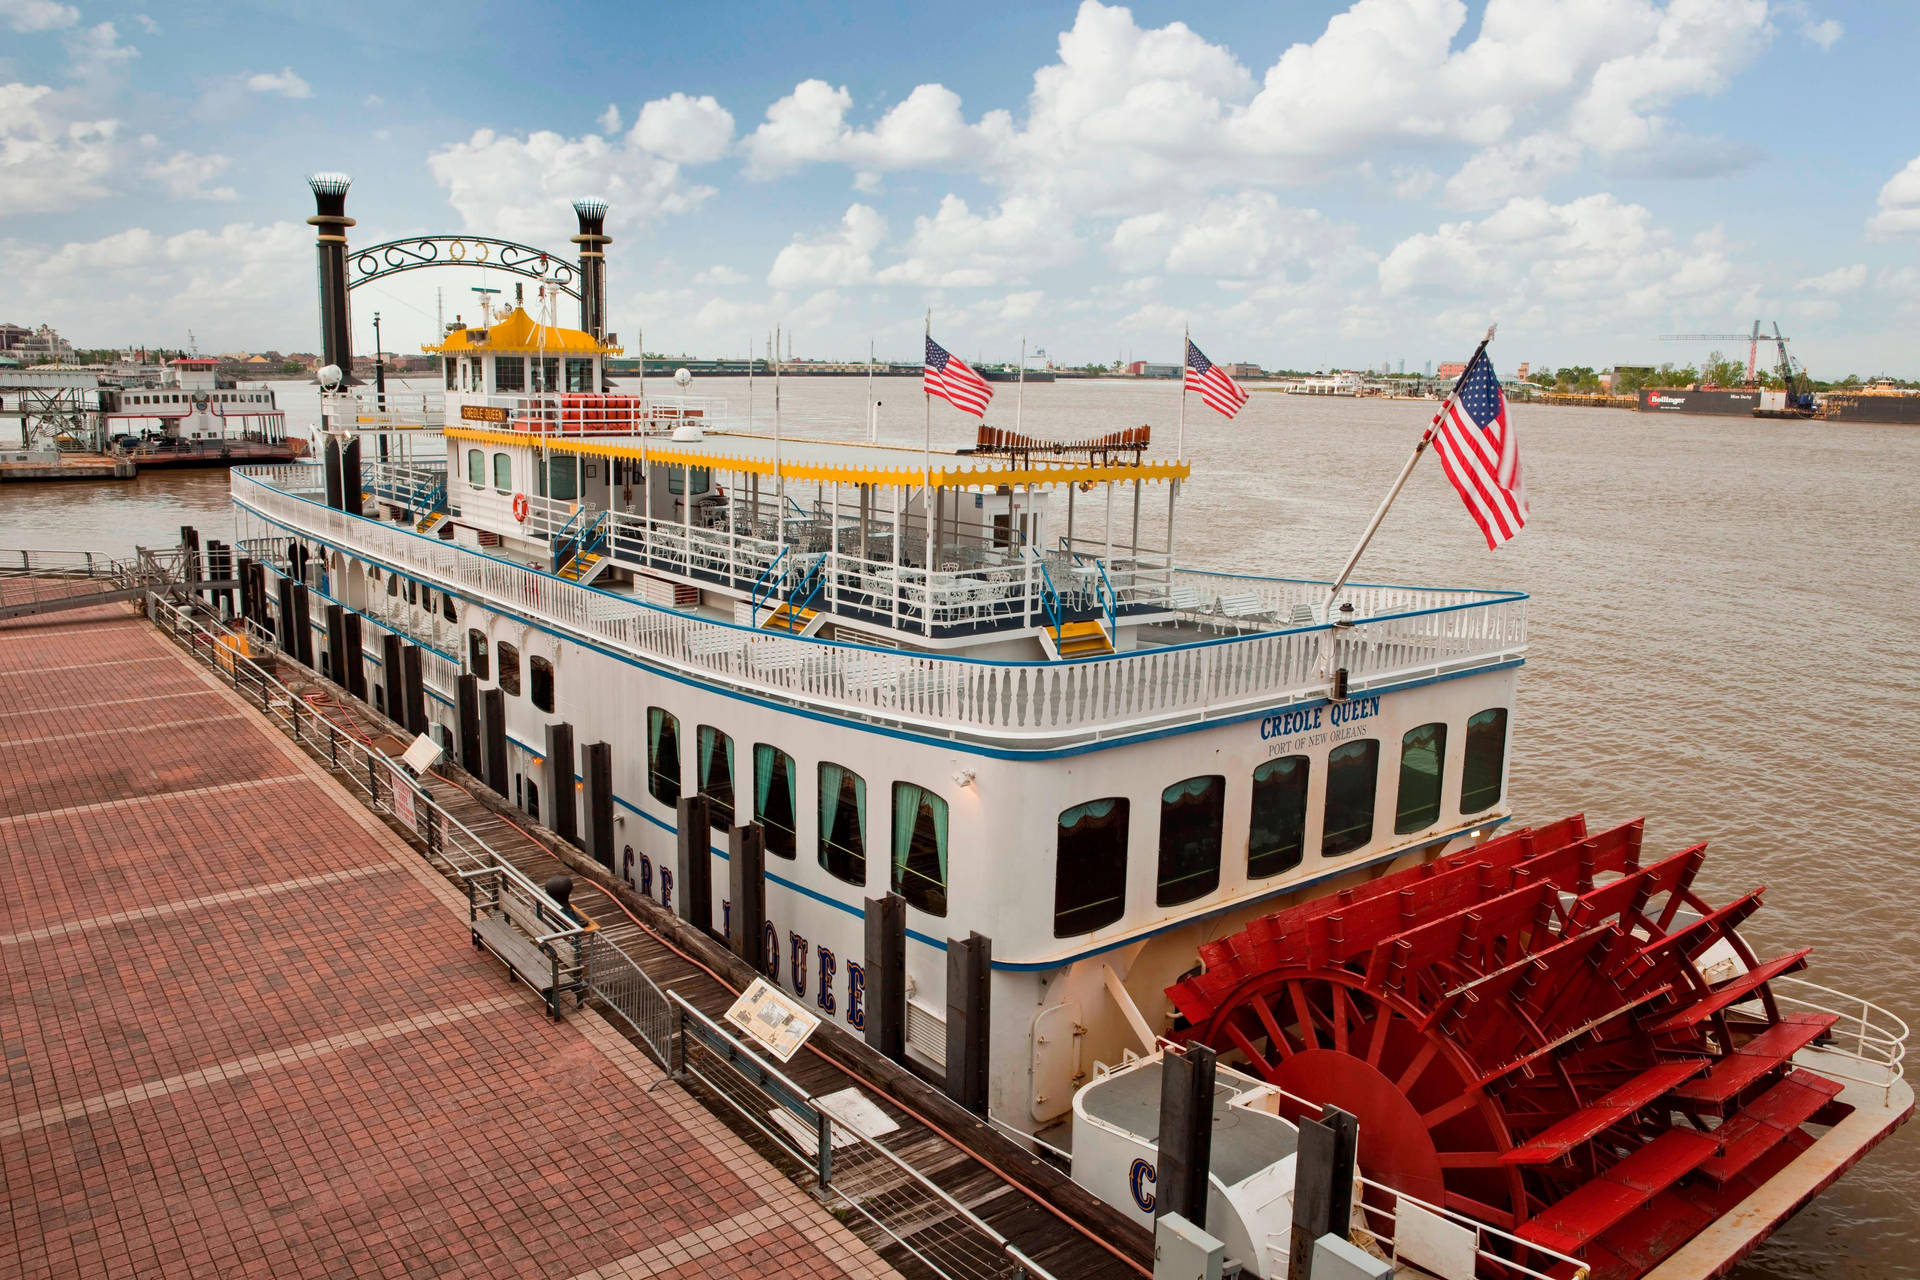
<point x="753" y="600"/>
<point x="1109" y="602"/>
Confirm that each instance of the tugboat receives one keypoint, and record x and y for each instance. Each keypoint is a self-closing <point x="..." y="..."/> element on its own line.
<point x="191" y="418"/>
<point x="1186" y="806"/>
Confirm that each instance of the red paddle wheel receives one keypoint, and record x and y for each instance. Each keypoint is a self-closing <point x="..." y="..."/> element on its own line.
<point x="1541" y="1032"/>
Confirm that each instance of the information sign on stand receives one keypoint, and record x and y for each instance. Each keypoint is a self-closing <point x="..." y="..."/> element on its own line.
<point x="773" y="1018"/>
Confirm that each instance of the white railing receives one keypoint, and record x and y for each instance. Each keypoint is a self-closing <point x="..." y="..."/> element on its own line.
<point x="411" y="484"/>
<point x="1031" y="703"/>
<point x="1867" y="1046"/>
<point x="365" y="409"/>
<point x="1496" y="1253"/>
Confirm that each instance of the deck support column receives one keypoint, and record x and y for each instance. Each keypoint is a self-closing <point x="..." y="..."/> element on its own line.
<point x="336" y="645"/>
<point x="696" y="862"/>
<point x="289" y="645"/>
<point x="243" y="571"/>
<point x="969" y="968"/>
<point x="563" y="808"/>
<point x="1186" y="1133"/>
<point x="413" y="690"/>
<point x="303" y="626"/>
<point x="493" y="727"/>
<point x="392" y="698"/>
<point x="747" y="891"/>
<point x="886" y="976"/>
<point x="352" y="641"/>
<point x="597" y="772"/>
<point x="466" y="709"/>
<point x="1322" y="1184"/>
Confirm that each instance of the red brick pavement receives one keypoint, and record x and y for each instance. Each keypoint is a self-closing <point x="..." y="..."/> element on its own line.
<point x="244" y="1033"/>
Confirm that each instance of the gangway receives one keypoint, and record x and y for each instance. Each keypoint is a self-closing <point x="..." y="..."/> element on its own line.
<point x="531" y="928"/>
<point x="34" y="582"/>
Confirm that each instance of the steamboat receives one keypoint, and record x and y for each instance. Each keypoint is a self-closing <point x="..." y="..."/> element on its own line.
<point x="1167" y="806"/>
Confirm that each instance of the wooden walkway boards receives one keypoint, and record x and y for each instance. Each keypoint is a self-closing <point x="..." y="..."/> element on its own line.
<point x="242" y="1032"/>
<point x="1083" y="1239"/>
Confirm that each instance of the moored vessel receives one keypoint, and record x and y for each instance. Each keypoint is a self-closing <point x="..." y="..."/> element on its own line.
<point x="1163" y="806"/>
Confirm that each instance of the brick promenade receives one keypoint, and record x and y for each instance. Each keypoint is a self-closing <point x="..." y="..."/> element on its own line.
<point x="244" y="1033"/>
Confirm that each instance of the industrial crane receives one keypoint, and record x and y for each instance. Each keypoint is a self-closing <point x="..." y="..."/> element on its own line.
<point x="1751" y="339"/>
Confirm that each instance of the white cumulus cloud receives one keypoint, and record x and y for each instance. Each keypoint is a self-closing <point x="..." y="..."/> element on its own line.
<point x="680" y="128"/>
<point x="1899" y="212"/>
<point x="185" y="176"/>
<point x="29" y="16"/>
<point x="843" y="256"/>
<point x="50" y="158"/>
<point x="1839" y="280"/>
<point x="283" y="82"/>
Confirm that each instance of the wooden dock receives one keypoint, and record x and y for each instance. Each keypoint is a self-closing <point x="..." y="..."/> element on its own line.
<point x="245" y="1033"/>
<point x="1036" y="1206"/>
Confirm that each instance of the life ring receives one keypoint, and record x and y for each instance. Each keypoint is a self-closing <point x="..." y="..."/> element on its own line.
<point x="520" y="507"/>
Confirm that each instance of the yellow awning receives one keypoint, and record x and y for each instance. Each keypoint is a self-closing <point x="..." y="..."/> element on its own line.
<point x="517" y="333"/>
<point x="949" y="471"/>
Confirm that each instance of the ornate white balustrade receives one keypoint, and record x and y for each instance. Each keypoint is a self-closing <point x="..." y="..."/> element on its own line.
<point x="1402" y="634"/>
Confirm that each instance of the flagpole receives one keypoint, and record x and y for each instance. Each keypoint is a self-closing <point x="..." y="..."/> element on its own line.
<point x="1400" y="483"/>
<point x="1180" y="436"/>
<point x="873" y="419"/>
<point x="926" y="482"/>
<point x="779" y="479"/>
<point x="1020" y="396"/>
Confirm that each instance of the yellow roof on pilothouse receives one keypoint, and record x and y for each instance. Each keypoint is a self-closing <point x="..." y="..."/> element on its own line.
<point x="518" y="333"/>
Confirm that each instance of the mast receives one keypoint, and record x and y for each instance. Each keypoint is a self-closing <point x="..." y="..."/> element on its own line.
<point x="1020" y="395"/>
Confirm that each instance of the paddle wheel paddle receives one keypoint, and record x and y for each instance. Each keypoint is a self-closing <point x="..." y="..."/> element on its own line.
<point x="1542" y="1032"/>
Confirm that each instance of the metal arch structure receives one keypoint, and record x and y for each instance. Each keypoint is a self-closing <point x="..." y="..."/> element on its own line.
<point x="411" y="254"/>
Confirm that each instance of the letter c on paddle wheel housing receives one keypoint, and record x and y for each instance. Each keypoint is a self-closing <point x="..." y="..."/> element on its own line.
<point x="1540" y="1032"/>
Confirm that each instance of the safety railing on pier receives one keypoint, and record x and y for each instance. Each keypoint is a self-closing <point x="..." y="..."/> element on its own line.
<point x="856" y="1173"/>
<point x="1400" y="635"/>
<point x="852" y="1169"/>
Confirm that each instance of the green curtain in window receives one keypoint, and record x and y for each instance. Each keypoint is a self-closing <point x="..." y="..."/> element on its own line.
<point x="1092" y="810"/>
<point x="656" y="720"/>
<point x="831" y="776"/>
<point x="707" y="735"/>
<point x="906" y="816"/>
<point x="1191" y="789"/>
<point x="763" y="758"/>
<point x="938" y="808"/>
<point x="732" y="777"/>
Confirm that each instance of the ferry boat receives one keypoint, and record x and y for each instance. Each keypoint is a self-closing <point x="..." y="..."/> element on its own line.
<point x="188" y="419"/>
<point x="1185" y="805"/>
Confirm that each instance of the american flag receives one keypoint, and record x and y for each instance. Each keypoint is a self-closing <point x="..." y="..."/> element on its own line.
<point x="1481" y="454"/>
<point x="953" y="380"/>
<point x="1222" y="394"/>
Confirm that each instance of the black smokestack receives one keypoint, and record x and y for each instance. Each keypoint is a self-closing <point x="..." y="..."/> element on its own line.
<point x="331" y="220"/>
<point x="593" y="265"/>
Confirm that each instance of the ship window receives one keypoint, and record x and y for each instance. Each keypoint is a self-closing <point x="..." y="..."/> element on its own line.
<point x="502" y="472"/>
<point x="775" y="799"/>
<point x="1486" y="760"/>
<point x="1423" y="754"/>
<point x="1353" y="769"/>
<point x="677" y="479"/>
<point x="920" y="848"/>
<point x="452" y="368"/>
<point x="540" y="683"/>
<point x="1090" y="875"/>
<point x="446" y="607"/>
<point x="476" y="380"/>
<point x="477" y="468"/>
<point x="546" y="372"/>
<point x="663" y="756"/>
<point x="1279" y="829"/>
<point x="477" y="663"/>
<point x="509" y="669"/>
<point x="509" y="373"/>
<point x="714" y="772"/>
<point x="579" y="374"/>
<point x="563" y="478"/>
<point x="843" y="823"/>
<point x="1190" y="817"/>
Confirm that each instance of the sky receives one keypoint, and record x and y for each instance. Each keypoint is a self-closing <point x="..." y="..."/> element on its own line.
<point x="1303" y="185"/>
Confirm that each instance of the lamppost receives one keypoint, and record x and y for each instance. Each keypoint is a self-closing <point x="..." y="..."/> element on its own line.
<point x="379" y="382"/>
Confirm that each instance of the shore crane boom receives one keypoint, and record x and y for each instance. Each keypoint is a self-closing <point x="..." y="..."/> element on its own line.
<point x="1752" y="340"/>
